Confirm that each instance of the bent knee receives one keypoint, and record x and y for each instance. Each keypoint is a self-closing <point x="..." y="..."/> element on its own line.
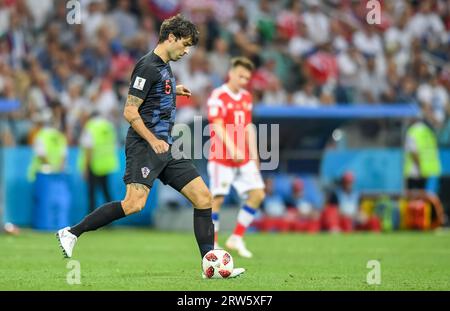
<point x="203" y="199"/>
<point x="257" y="196"/>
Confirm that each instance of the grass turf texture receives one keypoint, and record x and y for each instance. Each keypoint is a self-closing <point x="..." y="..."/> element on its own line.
<point x="124" y="259"/>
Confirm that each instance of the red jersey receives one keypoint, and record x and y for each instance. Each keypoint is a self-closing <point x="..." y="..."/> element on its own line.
<point x="235" y="110"/>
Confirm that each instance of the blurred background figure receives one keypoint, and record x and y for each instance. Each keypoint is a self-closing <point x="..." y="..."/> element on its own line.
<point x="274" y="217"/>
<point x="49" y="147"/>
<point x="422" y="162"/>
<point x="98" y="156"/>
<point x="51" y="194"/>
<point x="343" y="213"/>
<point x="303" y="214"/>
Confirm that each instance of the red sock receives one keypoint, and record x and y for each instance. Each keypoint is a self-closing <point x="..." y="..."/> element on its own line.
<point x="239" y="230"/>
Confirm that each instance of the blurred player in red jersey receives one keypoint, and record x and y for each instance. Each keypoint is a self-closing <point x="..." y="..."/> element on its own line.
<point x="233" y="159"/>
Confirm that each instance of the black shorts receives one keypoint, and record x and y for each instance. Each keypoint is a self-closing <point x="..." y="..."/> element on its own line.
<point x="416" y="183"/>
<point x="143" y="165"/>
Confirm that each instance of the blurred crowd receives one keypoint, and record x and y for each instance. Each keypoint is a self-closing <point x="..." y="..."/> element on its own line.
<point x="343" y="208"/>
<point x="308" y="53"/>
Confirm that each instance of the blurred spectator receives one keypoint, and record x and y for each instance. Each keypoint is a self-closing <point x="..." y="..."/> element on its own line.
<point x="5" y="11"/>
<point x="103" y="100"/>
<point x="164" y="9"/>
<point x="303" y="215"/>
<point x="98" y="157"/>
<point x="145" y="40"/>
<point x="126" y="22"/>
<point x="198" y="78"/>
<point x="97" y="60"/>
<point x="121" y="64"/>
<point x="323" y="67"/>
<point x="407" y="91"/>
<point x="76" y="106"/>
<point x="426" y="23"/>
<point x="219" y="60"/>
<point x="265" y="22"/>
<point x="39" y="11"/>
<point x="244" y="34"/>
<point x="306" y="96"/>
<point x="197" y="10"/>
<point x="368" y="42"/>
<point x="40" y="94"/>
<point x="288" y="20"/>
<point x="434" y="99"/>
<point x="317" y="23"/>
<point x="300" y="45"/>
<point x="94" y="17"/>
<point x="393" y="81"/>
<point x="18" y="39"/>
<point x="313" y="53"/>
<point x="347" y="201"/>
<point x="398" y="42"/>
<point x="224" y="10"/>
<point x="343" y="213"/>
<point x="350" y="64"/>
<point x="275" y="95"/>
<point x="421" y="155"/>
<point x="372" y="84"/>
<point x="266" y="83"/>
<point x="274" y="216"/>
<point x="49" y="146"/>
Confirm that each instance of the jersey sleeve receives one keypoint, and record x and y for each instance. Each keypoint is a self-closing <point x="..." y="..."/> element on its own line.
<point x="142" y="79"/>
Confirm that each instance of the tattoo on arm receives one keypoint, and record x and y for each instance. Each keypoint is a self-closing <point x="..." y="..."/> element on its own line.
<point x="134" y="101"/>
<point x="134" y="120"/>
<point x="140" y="187"/>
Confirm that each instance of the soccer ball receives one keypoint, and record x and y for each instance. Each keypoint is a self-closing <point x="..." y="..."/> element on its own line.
<point x="217" y="264"/>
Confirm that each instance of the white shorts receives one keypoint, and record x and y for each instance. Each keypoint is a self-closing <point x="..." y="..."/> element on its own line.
<point x="243" y="178"/>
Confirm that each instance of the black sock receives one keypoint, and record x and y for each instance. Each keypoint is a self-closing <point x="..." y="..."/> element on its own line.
<point x="204" y="230"/>
<point x="100" y="217"/>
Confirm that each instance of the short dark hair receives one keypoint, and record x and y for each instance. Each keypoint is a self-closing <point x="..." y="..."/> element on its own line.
<point x="242" y="61"/>
<point x="179" y="27"/>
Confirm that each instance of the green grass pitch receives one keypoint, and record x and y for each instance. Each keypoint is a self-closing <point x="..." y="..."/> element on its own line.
<point x="138" y="259"/>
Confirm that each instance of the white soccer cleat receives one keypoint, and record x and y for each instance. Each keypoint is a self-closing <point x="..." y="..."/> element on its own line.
<point x="67" y="241"/>
<point x="236" y="272"/>
<point x="236" y="243"/>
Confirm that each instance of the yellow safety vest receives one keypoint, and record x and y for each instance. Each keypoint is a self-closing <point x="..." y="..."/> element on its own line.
<point x="104" y="152"/>
<point x="427" y="150"/>
<point x="55" y="144"/>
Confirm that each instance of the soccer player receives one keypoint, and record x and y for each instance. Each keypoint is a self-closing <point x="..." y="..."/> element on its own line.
<point x="150" y="110"/>
<point x="233" y="159"/>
